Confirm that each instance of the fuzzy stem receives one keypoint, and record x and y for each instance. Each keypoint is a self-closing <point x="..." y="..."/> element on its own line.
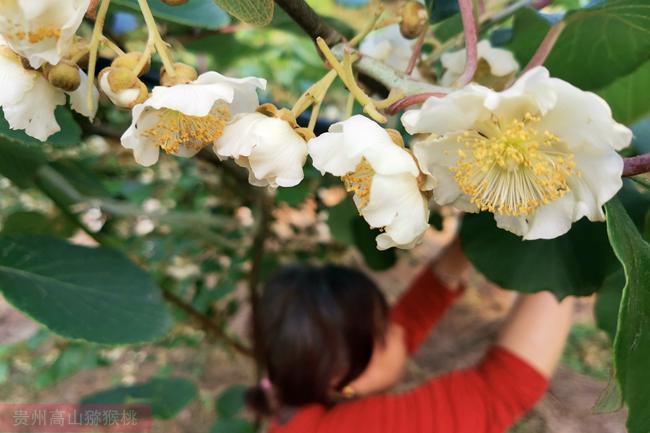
<point x="370" y="27"/>
<point x="315" y="94"/>
<point x="636" y="165"/>
<point x="112" y="45"/>
<point x="93" y="47"/>
<point x="417" y="50"/>
<point x="159" y="43"/>
<point x="471" y="41"/>
<point x="412" y="100"/>
<point x="546" y="46"/>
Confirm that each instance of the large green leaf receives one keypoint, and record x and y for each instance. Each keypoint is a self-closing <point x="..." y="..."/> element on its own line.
<point x="573" y="264"/>
<point x="258" y="12"/>
<point x="629" y="96"/>
<point x="600" y="43"/>
<point x="231" y="401"/>
<point x="195" y="13"/>
<point x="232" y="425"/>
<point x="36" y="223"/>
<point x="632" y="343"/>
<point x="608" y="303"/>
<point x="641" y="140"/>
<point x="78" y="292"/>
<point x="167" y="396"/>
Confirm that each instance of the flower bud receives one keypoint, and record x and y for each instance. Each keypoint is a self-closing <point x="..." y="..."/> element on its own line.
<point x="175" y="2"/>
<point x="63" y="75"/>
<point x="78" y="52"/>
<point x="122" y="87"/>
<point x="183" y="74"/>
<point x="414" y="19"/>
<point x="130" y="61"/>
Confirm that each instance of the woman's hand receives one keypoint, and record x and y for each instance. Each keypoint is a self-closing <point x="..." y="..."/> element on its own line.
<point x="452" y="267"/>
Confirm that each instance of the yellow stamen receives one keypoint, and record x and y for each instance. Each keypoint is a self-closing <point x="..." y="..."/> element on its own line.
<point x="512" y="168"/>
<point x="359" y="182"/>
<point x="175" y="129"/>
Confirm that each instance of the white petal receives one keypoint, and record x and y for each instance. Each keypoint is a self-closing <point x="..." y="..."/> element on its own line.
<point x="12" y="71"/>
<point x="551" y="220"/>
<point x="533" y="92"/>
<point x="78" y="100"/>
<point x="144" y="151"/>
<point x="397" y="204"/>
<point x="457" y="111"/>
<point x="235" y="140"/>
<point x="502" y="62"/>
<point x="389" y="46"/>
<point x="35" y="112"/>
<point x="123" y="98"/>
<point x="336" y="152"/>
<point x="513" y="224"/>
<point x="582" y="118"/>
<point x="245" y="99"/>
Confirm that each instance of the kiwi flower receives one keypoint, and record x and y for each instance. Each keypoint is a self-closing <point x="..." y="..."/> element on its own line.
<point x="183" y="119"/>
<point x="539" y="155"/>
<point x="388" y="45"/>
<point x="269" y="144"/>
<point x="41" y="31"/>
<point x="29" y="100"/>
<point x="382" y="174"/>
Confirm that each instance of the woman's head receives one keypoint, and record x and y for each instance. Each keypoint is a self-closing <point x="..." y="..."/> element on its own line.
<point x="316" y="330"/>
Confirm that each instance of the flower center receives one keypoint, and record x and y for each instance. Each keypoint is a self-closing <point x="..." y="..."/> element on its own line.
<point x="34" y="36"/>
<point x="175" y="129"/>
<point x="512" y="168"/>
<point x="359" y="182"/>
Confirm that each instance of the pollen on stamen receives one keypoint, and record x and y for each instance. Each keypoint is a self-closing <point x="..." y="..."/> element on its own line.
<point x="514" y="169"/>
<point x="174" y="129"/>
<point x="359" y="182"/>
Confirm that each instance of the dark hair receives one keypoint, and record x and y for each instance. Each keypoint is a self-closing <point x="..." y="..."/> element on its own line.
<point x="315" y="325"/>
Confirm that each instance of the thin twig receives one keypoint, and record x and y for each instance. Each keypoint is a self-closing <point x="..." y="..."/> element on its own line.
<point x="207" y="324"/>
<point x="546" y="46"/>
<point x="415" y="56"/>
<point x="471" y="41"/>
<point x="412" y="100"/>
<point x="636" y="165"/>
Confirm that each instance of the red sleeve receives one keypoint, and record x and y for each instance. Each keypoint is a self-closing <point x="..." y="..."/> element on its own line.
<point x="489" y="398"/>
<point x="421" y="307"/>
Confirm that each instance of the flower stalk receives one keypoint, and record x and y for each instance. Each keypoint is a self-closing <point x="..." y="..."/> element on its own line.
<point x="93" y="47"/>
<point x="546" y="46"/>
<point x="636" y="165"/>
<point x="471" y="40"/>
<point x="155" y="39"/>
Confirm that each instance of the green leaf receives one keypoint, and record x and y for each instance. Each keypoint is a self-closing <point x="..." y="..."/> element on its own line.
<point x="629" y="95"/>
<point x="19" y="163"/>
<point x="600" y="43"/>
<point x="294" y="196"/>
<point x="632" y="342"/>
<point x="641" y="139"/>
<point x="232" y="426"/>
<point x="231" y="401"/>
<point x="69" y="135"/>
<point x="78" y="292"/>
<point x="340" y="219"/>
<point x="441" y="9"/>
<point x="195" y="13"/>
<point x="608" y="302"/>
<point x="30" y="222"/>
<point x="258" y="12"/>
<point x="573" y="264"/>
<point x="167" y="396"/>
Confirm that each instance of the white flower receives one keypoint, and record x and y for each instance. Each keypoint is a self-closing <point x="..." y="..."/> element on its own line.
<point x="41" y="30"/>
<point x="388" y="45"/>
<point x="495" y="66"/>
<point x="270" y="149"/>
<point x="29" y="100"/>
<point x="124" y="98"/>
<point x="383" y="176"/>
<point x="183" y="119"/>
<point x="539" y="155"/>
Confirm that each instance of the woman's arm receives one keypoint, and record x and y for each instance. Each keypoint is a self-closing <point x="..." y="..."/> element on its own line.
<point x="537" y="330"/>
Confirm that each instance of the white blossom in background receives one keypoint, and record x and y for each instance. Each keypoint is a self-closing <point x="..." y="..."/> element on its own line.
<point x="383" y="175"/>
<point x="495" y="65"/>
<point x="183" y="119"/>
<point x="388" y="45"/>
<point x="272" y="149"/>
<point x="28" y="100"/>
<point x="539" y="155"/>
<point x="41" y="30"/>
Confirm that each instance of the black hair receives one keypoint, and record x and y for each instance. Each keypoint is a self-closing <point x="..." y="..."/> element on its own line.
<point x="315" y="331"/>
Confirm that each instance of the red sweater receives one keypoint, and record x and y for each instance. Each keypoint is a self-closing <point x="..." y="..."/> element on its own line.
<point x="488" y="398"/>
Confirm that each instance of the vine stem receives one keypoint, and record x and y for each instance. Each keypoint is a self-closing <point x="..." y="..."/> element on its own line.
<point x="417" y="50"/>
<point x="471" y="41"/>
<point x="412" y="100"/>
<point x="154" y="35"/>
<point x="636" y="165"/>
<point x="546" y="46"/>
<point x="93" y="47"/>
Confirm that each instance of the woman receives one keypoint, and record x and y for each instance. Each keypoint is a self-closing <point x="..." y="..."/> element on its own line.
<point x="331" y="348"/>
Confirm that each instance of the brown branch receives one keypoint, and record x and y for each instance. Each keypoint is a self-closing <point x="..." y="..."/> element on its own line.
<point x="312" y="23"/>
<point x="636" y="165"/>
<point x="206" y="323"/>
